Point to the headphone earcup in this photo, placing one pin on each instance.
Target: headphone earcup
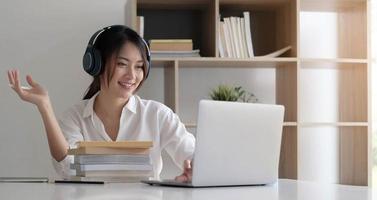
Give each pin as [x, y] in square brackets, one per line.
[92, 61]
[97, 62]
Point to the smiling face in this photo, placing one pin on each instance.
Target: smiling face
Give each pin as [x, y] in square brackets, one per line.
[126, 72]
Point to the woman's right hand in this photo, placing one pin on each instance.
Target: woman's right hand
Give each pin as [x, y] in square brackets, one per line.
[36, 94]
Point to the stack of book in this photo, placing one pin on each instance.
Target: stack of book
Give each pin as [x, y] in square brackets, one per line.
[173, 48]
[235, 39]
[126, 161]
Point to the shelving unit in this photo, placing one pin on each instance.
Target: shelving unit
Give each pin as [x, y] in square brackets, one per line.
[276, 24]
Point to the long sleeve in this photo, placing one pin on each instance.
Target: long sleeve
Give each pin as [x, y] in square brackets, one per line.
[178, 142]
[72, 134]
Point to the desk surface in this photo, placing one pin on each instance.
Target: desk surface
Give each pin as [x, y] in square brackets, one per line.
[283, 190]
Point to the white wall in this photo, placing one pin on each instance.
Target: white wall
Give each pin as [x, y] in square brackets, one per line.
[45, 38]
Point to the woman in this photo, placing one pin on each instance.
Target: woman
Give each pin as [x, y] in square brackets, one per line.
[118, 59]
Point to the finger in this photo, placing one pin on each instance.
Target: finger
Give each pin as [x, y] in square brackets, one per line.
[31, 82]
[10, 77]
[187, 164]
[181, 178]
[17, 82]
[12, 74]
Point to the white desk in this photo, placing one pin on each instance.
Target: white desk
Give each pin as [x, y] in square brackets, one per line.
[283, 190]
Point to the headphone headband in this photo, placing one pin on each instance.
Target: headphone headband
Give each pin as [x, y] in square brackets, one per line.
[94, 36]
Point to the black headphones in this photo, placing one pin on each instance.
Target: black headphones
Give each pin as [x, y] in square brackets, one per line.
[92, 61]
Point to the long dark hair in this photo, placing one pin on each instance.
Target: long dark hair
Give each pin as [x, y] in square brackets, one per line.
[108, 44]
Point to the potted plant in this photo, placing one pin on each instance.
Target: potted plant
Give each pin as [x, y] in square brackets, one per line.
[228, 93]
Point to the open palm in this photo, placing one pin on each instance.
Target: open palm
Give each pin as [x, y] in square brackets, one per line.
[36, 94]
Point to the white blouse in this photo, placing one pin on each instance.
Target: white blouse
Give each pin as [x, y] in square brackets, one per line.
[140, 120]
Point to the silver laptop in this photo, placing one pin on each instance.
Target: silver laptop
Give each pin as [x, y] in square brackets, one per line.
[236, 144]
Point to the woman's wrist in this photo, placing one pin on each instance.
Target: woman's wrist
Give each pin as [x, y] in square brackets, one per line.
[44, 105]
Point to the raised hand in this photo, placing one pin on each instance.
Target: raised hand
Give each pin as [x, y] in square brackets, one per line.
[34, 94]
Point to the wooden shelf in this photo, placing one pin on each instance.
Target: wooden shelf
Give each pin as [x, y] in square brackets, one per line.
[264, 59]
[213, 59]
[253, 2]
[208, 62]
[193, 125]
[274, 23]
[340, 124]
[173, 4]
[299, 73]
[330, 5]
[289, 123]
[334, 60]
[237, 63]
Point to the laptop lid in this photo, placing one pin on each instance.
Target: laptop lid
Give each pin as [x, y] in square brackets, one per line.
[237, 143]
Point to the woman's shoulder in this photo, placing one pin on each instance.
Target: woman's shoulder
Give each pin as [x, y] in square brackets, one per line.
[75, 111]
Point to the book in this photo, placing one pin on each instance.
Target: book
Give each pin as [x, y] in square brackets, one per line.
[106, 151]
[115, 173]
[119, 179]
[236, 39]
[239, 36]
[222, 48]
[193, 53]
[227, 40]
[170, 41]
[249, 42]
[119, 144]
[140, 25]
[110, 167]
[228, 24]
[112, 159]
[171, 45]
[242, 38]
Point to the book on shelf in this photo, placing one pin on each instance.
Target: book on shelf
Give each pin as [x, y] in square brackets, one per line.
[235, 36]
[140, 25]
[236, 39]
[171, 40]
[249, 42]
[229, 38]
[227, 46]
[222, 49]
[171, 44]
[240, 27]
[163, 54]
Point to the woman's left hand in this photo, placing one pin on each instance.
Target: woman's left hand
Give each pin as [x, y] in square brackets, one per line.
[187, 172]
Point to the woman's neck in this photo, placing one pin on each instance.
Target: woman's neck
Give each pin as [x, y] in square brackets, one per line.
[109, 106]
